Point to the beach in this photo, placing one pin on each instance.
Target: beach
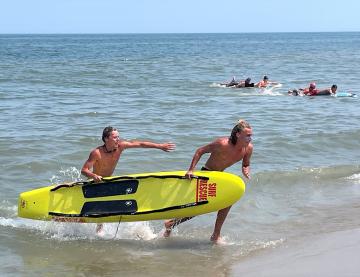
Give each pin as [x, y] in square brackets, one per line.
[300, 211]
[332, 254]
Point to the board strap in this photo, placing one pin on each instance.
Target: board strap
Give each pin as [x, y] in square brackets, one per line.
[69, 185]
[112, 179]
[158, 176]
[129, 212]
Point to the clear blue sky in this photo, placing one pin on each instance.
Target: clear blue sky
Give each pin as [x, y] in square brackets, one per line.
[182, 16]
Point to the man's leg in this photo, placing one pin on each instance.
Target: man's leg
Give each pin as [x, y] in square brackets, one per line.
[99, 228]
[221, 216]
[171, 223]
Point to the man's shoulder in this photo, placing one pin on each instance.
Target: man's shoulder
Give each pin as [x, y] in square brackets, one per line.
[122, 144]
[222, 140]
[97, 151]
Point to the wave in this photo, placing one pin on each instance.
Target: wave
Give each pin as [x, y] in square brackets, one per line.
[308, 174]
[271, 90]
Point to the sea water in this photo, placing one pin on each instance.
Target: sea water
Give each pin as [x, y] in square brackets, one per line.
[58, 92]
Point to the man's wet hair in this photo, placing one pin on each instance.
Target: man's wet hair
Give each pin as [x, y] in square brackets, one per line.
[107, 132]
[239, 127]
[334, 86]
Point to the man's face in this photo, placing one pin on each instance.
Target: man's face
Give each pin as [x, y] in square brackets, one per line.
[113, 139]
[245, 135]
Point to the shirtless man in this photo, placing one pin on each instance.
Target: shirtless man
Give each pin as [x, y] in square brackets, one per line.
[265, 82]
[103, 159]
[224, 152]
[329, 91]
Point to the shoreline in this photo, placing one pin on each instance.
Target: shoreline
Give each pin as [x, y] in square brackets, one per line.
[331, 254]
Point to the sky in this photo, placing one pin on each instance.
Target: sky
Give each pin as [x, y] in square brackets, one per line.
[177, 16]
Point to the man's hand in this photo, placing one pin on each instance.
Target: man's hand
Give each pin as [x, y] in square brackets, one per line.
[97, 178]
[189, 174]
[169, 146]
[246, 171]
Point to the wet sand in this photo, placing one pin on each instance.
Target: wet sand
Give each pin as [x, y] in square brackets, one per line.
[332, 254]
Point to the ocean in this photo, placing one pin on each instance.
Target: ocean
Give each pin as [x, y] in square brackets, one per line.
[58, 92]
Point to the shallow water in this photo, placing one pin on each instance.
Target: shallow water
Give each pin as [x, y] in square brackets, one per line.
[57, 93]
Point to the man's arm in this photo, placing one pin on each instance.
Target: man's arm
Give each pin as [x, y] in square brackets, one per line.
[259, 84]
[89, 164]
[198, 154]
[246, 162]
[324, 91]
[169, 146]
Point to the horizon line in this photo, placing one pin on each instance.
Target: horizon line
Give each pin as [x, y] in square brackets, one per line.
[167, 33]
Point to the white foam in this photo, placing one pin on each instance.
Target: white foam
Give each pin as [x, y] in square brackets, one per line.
[216, 85]
[6, 206]
[271, 92]
[71, 174]
[354, 177]
[224, 241]
[75, 231]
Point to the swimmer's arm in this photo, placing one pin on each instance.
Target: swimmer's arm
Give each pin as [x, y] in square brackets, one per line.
[327, 90]
[89, 164]
[197, 156]
[168, 146]
[246, 162]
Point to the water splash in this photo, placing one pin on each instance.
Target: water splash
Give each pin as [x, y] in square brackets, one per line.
[355, 178]
[81, 231]
[66, 175]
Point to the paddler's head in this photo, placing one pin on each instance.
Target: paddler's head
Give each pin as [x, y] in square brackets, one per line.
[312, 86]
[241, 132]
[333, 89]
[110, 137]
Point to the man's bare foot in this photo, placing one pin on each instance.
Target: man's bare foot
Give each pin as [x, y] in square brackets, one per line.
[215, 238]
[168, 228]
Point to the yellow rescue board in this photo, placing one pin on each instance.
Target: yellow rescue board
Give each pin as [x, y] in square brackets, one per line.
[136, 197]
